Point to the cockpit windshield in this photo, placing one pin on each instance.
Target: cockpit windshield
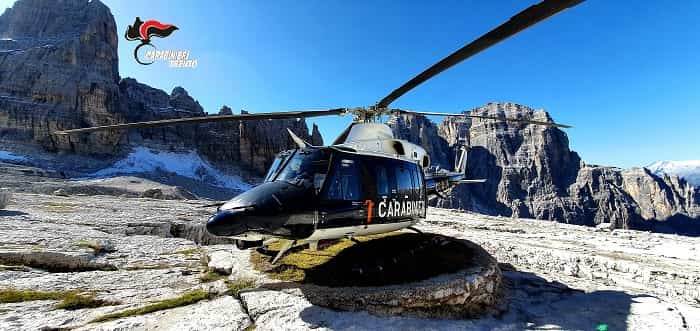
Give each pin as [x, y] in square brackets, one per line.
[277, 163]
[305, 166]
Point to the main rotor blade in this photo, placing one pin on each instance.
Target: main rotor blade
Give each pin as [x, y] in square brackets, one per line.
[496, 118]
[210, 119]
[523, 20]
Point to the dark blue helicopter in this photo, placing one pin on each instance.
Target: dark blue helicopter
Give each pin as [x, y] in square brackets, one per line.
[366, 182]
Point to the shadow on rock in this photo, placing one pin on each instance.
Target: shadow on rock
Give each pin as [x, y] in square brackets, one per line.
[12, 213]
[677, 224]
[392, 260]
[543, 304]
[419, 275]
[530, 302]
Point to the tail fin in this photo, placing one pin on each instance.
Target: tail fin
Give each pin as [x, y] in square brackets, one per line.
[300, 142]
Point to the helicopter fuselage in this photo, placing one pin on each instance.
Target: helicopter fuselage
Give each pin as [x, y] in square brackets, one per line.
[317, 193]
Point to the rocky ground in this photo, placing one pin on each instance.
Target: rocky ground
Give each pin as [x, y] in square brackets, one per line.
[135, 252]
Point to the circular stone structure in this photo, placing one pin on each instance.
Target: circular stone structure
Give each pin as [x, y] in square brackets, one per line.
[459, 280]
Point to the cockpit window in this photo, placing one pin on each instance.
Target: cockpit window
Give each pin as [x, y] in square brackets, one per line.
[276, 164]
[305, 166]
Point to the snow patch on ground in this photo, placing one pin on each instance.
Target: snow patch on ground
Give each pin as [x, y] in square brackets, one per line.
[190, 165]
[688, 170]
[7, 156]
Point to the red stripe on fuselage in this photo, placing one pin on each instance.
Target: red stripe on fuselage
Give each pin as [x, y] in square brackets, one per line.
[370, 207]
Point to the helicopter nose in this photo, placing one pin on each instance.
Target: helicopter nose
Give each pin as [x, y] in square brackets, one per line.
[227, 223]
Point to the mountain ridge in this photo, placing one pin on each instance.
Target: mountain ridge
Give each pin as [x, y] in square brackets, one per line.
[689, 170]
[532, 173]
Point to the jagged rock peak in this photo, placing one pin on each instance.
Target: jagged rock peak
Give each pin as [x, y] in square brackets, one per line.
[182, 101]
[81, 32]
[47, 18]
[225, 110]
[316, 138]
[179, 90]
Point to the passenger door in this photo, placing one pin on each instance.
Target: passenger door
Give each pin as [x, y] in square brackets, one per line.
[342, 198]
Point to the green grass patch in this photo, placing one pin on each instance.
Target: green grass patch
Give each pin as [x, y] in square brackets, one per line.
[74, 300]
[104, 267]
[59, 207]
[210, 276]
[70, 300]
[95, 246]
[146, 266]
[187, 252]
[13, 295]
[236, 286]
[185, 299]
[59, 204]
[13, 268]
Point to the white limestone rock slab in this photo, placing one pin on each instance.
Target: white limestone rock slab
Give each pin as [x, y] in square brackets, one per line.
[223, 313]
[221, 261]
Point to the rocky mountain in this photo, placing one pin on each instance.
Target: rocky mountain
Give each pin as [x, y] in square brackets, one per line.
[59, 70]
[532, 173]
[688, 170]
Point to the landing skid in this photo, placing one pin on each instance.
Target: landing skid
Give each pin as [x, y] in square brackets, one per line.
[414, 229]
[353, 239]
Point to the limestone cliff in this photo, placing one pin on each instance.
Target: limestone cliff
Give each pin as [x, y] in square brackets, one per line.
[532, 173]
[59, 70]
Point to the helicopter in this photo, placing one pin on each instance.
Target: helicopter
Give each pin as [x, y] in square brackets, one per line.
[366, 182]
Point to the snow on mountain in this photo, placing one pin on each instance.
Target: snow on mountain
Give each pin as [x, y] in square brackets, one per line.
[190, 165]
[688, 170]
[7, 156]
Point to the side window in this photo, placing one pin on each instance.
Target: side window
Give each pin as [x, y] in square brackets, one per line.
[403, 179]
[368, 180]
[414, 178]
[391, 167]
[416, 182]
[420, 192]
[345, 181]
[382, 179]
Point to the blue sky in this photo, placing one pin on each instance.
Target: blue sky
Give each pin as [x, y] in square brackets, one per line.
[626, 74]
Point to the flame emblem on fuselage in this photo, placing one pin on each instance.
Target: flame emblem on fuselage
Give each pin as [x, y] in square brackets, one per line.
[144, 31]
